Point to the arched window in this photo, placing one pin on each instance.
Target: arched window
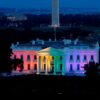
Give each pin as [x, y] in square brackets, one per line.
[92, 58]
[28, 57]
[71, 57]
[85, 58]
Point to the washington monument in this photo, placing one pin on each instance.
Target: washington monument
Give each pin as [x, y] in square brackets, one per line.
[55, 13]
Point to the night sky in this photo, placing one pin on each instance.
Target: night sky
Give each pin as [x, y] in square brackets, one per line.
[46, 3]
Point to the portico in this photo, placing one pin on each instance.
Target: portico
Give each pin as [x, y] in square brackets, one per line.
[50, 61]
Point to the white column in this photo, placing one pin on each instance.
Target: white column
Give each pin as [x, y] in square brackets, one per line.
[55, 65]
[38, 65]
[46, 72]
[63, 65]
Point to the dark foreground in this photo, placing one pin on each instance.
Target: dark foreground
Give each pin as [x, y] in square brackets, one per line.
[42, 86]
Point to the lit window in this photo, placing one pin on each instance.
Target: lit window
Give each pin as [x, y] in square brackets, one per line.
[28, 57]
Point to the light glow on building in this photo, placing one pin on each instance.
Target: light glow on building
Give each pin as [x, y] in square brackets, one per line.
[58, 57]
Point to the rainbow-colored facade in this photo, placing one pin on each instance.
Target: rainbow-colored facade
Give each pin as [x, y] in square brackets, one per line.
[56, 57]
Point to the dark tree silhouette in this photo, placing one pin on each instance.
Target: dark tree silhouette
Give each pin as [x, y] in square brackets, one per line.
[6, 62]
[92, 70]
[17, 63]
[5, 53]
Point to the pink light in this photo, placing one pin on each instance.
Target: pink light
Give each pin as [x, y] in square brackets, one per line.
[32, 62]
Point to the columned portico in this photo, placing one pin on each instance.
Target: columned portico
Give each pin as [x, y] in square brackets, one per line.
[44, 64]
[49, 61]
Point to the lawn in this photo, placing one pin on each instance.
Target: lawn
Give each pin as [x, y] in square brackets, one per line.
[32, 85]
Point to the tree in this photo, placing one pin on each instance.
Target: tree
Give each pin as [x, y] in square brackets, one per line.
[92, 70]
[6, 62]
[5, 53]
[17, 63]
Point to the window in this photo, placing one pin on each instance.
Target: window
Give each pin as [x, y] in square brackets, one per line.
[35, 66]
[71, 67]
[21, 57]
[60, 67]
[28, 57]
[92, 58]
[85, 58]
[71, 57]
[78, 58]
[28, 66]
[78, 67]
[35, 57]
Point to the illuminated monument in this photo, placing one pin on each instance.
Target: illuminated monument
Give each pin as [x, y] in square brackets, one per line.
[59, 57]
[55, 13]
[56, 57]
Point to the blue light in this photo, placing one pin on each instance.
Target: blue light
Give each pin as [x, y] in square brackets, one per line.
[46, 3]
